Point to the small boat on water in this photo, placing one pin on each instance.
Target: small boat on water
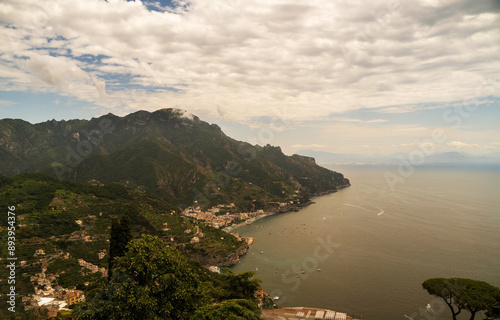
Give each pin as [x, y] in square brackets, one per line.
[261, 252]
[318, 269]
[276, 298]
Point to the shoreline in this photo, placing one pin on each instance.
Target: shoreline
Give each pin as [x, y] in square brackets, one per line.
[291, 208]
[252, 220]
[247, 222]
[294, 208]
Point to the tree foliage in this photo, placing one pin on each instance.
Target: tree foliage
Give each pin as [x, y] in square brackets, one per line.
[154, 281]
[465, 294]
[238, 286]
[494, 313]
[121, 234]
[151, 281]
[237, 309]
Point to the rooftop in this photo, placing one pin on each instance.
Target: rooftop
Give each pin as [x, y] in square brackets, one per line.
[303, 313]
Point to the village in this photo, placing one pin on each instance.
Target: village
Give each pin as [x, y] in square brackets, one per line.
[51, 296]
[221, 216]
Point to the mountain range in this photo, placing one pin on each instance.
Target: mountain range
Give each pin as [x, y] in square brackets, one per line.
[175, 155]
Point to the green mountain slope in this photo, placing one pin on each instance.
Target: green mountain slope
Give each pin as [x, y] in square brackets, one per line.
[61, 227]
[62, 216]
[180, 158]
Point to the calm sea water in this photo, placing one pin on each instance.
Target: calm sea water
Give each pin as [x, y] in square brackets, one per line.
[374, 246]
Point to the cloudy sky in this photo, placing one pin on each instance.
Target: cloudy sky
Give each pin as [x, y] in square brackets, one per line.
[343, 76]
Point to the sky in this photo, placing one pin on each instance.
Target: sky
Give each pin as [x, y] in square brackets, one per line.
[341, 76]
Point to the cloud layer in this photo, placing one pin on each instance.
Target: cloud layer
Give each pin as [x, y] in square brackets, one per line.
[246, 59]
[340, 76]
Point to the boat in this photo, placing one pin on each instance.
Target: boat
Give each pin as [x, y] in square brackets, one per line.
[276, 298]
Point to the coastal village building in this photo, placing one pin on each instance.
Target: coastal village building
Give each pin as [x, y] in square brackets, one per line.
[73, 297]
[215, 269]
[92, 267]
[195, 240]
[101, 254]
[213, 218]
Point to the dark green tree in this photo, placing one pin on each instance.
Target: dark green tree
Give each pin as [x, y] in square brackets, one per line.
[239, 286]
[494, 311]
[464, 294]
[237, 309]
[121, 234]
[151, 281]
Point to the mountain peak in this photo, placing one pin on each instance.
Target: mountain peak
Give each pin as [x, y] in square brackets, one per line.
[176, 112]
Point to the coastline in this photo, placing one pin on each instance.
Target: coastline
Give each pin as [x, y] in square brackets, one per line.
[231, 228]
[294, 208]
[290, 208]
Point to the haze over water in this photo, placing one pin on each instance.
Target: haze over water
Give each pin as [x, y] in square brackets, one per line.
[442, 221]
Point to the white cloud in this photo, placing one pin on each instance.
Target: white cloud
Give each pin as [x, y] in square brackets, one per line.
[355, 120]
[399, 109]
[377, 120]
[7, 102]
[460, 144]
[54, 71]
[344, 119]
[250, 57]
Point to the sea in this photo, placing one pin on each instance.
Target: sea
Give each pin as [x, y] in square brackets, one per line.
[366, 249]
